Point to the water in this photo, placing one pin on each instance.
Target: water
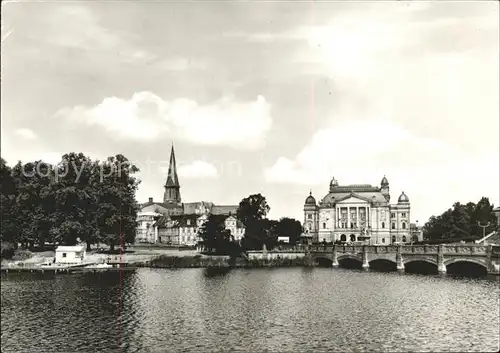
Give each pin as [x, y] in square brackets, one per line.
[280, 309]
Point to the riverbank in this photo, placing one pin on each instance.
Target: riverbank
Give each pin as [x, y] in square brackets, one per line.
[132, 257]
[155, 258]
[209, 261]
[164, 261]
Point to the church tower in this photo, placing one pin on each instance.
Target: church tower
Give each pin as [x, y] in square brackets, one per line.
[384, 188]
[311, 217]
[172, 188]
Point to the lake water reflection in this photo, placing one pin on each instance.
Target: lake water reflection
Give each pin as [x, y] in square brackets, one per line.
[280, 309]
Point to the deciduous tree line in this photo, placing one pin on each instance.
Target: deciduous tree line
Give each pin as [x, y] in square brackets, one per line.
[462, 222]
[259, 230]
[78, 199]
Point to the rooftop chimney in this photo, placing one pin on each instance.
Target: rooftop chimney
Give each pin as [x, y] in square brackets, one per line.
[150, 199]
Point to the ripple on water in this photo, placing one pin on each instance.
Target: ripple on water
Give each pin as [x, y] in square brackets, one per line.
[271, 310]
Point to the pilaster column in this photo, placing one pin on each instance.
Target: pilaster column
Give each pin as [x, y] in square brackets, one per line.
[357, 218]
[365, 264]
[400, 266]
[492, 260]
[335, 262]
[440, 260]
[348, 217]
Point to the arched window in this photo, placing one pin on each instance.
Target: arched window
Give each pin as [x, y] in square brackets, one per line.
[393, 238]
[343, 237]
[404, 239]
[353, 237]
[324, 225]
[415, 238]
[403, 225]
[383, 224]
[393, 225]
[383, 240]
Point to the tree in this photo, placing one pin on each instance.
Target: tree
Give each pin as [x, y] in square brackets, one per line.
[8, 213]
[34, 202]
[76, 200]
[117, 208]
[251, 212]
[289, 227]
[252, 208]
[76, 184]
[461, 222]
[215, 237]
[258, 233]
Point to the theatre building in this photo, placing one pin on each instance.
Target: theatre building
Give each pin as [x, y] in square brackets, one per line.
[358, 213]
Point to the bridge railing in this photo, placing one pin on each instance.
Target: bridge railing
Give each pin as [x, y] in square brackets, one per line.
[465, 249]
[289, 248]
[495, 251]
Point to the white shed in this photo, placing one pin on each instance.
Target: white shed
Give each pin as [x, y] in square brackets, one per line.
[284, 239]
[70, 254]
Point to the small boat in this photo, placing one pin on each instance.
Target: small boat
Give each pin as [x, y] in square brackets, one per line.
[53, 265]
[99, 266]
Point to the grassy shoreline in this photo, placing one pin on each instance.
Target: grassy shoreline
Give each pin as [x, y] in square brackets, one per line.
[154, 257]
[208, 261]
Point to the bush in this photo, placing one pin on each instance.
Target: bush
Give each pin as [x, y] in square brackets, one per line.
[21, 255]
[7, 251]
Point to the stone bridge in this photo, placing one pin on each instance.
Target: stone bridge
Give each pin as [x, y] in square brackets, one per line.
[439, 255]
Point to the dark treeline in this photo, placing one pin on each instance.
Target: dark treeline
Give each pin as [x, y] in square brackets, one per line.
[78, 199]
[462, 222]
[259, 230]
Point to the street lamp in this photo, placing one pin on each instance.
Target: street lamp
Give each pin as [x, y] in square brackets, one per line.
[484, 227]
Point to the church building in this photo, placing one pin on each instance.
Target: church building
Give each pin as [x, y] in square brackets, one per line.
[176, 223]
[353, 213]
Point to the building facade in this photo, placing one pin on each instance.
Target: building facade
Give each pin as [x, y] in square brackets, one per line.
[353, 213]
[496, 212]
[176, 223]
[417, 234]
[146, 232]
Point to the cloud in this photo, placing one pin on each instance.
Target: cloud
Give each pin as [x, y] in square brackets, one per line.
[198, 170]
[353, 146]
[182, 64]
[147, 117]
[259, 37]
[69, 28]
[81, 29]
[26, 134]
[433, 74]
[432, 173]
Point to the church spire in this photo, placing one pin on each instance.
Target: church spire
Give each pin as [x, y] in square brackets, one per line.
[172, 179]
[172, 186]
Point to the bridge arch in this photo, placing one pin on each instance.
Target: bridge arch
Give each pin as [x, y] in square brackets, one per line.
[349, 256]
[350, 261]
[323, 261]
[382, 259]
[383, 264]
[420, 265]
[470, 260]
[420, 259]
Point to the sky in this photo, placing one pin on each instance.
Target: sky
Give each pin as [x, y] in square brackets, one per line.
[262, 97]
